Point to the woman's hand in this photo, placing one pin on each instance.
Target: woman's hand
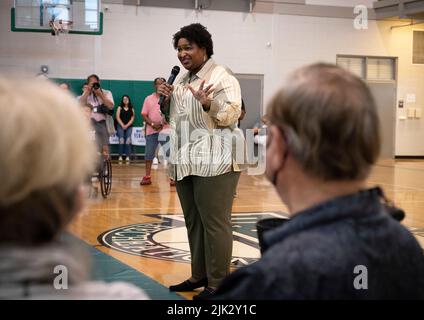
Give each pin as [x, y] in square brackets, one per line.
[157, 126]
[98, 92]
[165, 89]
[202, 95]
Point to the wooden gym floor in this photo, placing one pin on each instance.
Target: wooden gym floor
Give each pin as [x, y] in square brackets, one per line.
[129, 204]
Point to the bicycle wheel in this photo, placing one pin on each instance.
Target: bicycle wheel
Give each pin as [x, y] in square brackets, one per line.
[106, 178]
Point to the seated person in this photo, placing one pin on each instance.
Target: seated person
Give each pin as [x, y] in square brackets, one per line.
[84, 88]
[242, 114]
[341, 241]
[65, 86]
[45, 155]
[259, 131]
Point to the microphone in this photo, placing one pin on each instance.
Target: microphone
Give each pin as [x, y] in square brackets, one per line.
[174, 72]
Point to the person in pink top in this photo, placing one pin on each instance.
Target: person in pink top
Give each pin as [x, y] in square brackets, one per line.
[157, 131]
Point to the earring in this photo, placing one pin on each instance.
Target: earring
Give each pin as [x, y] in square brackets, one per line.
[204, 58]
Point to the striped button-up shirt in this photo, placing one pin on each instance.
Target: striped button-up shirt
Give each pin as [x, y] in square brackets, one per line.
[201, 142]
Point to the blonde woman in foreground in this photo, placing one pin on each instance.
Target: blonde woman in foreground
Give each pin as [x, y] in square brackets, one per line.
[45, 155]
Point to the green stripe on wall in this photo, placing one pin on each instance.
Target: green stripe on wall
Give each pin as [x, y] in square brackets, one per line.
[136, 90]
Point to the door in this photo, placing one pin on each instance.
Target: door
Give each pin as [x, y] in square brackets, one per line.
[380, 74]
[252, 95]
[385, 99]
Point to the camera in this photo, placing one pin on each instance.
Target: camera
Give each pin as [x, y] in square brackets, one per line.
[103, 109]
[96, 85]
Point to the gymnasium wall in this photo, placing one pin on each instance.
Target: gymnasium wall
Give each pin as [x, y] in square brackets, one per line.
[137, 90]
[409, 132]
[137, 46]
[340, 3]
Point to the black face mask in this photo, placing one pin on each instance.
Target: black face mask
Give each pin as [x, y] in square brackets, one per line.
[395, 212]
[275, 174]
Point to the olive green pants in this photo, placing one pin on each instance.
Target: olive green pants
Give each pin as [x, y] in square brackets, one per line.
[207, 204]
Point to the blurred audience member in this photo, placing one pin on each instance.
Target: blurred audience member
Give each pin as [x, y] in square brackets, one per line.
[342, 241]
[242, 114]
[45, 155]
[259, 130]
[65, 86]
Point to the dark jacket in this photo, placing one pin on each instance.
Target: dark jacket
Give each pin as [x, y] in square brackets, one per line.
[314, 256]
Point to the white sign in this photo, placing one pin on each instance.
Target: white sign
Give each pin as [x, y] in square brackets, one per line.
[138, 137]
[114, 139]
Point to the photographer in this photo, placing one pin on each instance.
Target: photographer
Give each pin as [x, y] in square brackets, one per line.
[102, 102]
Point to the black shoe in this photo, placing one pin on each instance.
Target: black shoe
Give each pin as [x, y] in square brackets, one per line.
[189, 286]
[205, 294]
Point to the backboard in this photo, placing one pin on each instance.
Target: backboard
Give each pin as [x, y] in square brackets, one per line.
[80, 16]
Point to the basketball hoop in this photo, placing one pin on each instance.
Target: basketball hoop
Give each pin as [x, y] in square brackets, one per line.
[60, 26]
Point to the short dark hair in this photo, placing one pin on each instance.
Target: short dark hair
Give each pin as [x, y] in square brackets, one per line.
[93, 76]
[198, 34]
[158, 78]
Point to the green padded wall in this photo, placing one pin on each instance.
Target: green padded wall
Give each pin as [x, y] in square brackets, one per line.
[137, 90]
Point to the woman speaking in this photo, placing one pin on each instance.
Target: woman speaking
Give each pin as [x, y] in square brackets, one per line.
[204, 107]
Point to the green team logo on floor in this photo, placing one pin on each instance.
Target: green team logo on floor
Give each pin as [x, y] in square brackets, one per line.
[167, 238]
